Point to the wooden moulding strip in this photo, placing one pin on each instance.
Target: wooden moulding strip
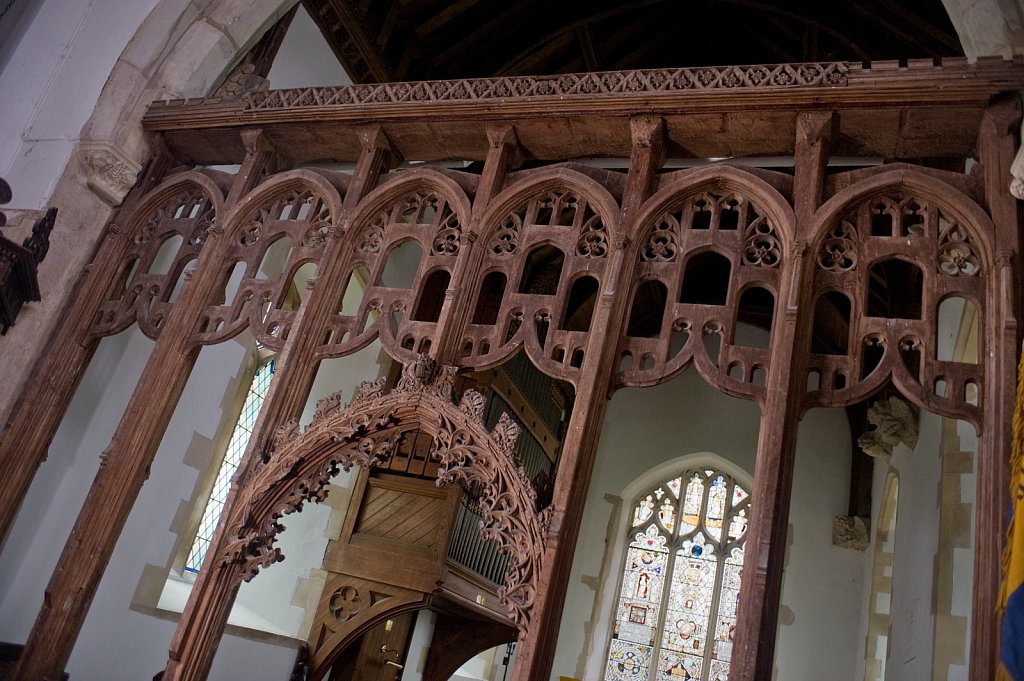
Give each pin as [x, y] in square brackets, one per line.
[850, 85]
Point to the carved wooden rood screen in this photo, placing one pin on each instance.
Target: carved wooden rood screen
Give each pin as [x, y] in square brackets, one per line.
[604, 278]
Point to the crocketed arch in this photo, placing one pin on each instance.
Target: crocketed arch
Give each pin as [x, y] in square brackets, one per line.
[132, 291]
[367, 431]
[505, 245]
[954, 253]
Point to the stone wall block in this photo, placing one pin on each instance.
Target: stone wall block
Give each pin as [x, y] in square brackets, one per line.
[198, 62]
[245, 21]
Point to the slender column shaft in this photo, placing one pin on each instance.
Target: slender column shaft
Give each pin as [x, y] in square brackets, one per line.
[213, 594]
[45, 399]
[535, 654]
[761, 586]
[124, 467]
[997, 146]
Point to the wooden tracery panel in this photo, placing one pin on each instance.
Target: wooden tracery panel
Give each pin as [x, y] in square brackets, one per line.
[418, 216]
[164, 239]
[279, 228]
[708, 257]
[543, 254]
[885, 263]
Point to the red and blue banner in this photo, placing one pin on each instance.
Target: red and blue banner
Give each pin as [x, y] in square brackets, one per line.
[1011, 655]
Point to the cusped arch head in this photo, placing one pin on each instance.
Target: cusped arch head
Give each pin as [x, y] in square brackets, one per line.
[961, 207]
[715, 178]
[299, 180]
[513, 198]
[191, 180]
[399, 185]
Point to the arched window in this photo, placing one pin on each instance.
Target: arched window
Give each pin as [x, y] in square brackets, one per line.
[676, 612]
[232, 458]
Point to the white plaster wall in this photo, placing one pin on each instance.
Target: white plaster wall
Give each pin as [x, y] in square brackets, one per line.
[419, 646]
[62, 59]
[64, 479]
[119, 643]
[305, 59]
[822, 584]
[653, 431]
[917, 541]
[650, 432]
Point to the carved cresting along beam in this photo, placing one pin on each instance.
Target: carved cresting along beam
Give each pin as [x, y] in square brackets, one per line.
[365, 433]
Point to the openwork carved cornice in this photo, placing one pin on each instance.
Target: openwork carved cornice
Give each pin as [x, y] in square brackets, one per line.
[365, 433]
[643, 82]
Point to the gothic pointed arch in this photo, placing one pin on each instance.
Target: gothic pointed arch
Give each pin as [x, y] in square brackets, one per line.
[895, 246]
[158, 243]
[414, 223]
[541, 235]
[701, 243]
[362, 434]
[276, 229]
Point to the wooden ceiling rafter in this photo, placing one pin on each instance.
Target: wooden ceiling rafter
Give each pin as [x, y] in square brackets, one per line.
[391, 40]
[587, 50]
[873, 15]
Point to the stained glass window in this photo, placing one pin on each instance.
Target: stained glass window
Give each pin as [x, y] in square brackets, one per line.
[232, 457]
[676, 613]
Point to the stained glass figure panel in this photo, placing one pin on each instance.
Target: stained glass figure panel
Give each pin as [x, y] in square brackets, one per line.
[640, 598]
[715, 514]
[628, 662]
[676, 613]
[692, 503]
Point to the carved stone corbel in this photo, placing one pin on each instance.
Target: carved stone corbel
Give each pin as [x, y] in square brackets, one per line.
[850, 532]
[894, 422]
[109, 172]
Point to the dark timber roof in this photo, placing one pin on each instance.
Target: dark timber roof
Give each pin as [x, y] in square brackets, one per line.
[401, 40]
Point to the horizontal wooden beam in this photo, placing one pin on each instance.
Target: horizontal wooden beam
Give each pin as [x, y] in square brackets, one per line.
[914, 109]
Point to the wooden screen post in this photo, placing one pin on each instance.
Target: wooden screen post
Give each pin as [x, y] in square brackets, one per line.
[124, 467]
[46, 397]
[503, 152]
[536, 650]
[761, 587]
[213, 593]
[999, 347]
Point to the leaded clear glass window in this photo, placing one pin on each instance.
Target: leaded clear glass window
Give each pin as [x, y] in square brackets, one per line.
[676, 612]
[232, 458]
